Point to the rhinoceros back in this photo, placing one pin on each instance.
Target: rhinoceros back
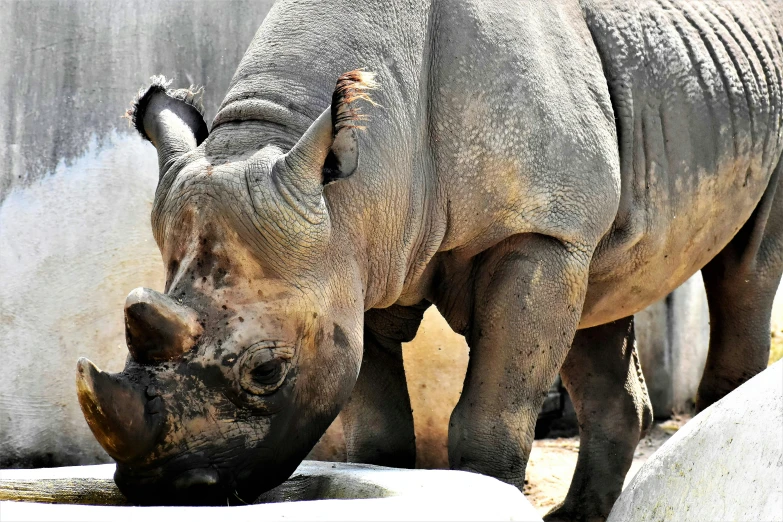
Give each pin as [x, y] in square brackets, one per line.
[696, 91]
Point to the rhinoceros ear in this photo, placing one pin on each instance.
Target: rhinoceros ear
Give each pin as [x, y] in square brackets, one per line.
[172, 119]
[330, 149]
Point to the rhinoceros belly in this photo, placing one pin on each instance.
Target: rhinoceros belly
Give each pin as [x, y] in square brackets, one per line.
[696, 88]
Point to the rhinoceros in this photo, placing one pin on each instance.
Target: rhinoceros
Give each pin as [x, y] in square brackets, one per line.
[537, 170]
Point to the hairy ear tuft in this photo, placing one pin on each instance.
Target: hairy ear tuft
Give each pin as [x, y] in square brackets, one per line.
[343, 157]
[192, 96]
[171, 119]
[351, 86]
[329, 150]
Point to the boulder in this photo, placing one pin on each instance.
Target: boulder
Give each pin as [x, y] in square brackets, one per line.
[725, 464]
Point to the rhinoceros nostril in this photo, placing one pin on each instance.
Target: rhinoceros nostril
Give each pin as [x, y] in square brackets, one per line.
[196, 478]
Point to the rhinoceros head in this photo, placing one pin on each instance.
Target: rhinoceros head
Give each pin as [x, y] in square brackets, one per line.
[238, 368]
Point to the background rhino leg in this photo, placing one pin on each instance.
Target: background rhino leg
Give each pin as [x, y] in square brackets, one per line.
[378, 421]
[604, 379]
[741, 282]
[529, 291]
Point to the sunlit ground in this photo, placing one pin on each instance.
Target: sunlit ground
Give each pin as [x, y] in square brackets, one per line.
[552, 463]
[776, 348]
[776, 327]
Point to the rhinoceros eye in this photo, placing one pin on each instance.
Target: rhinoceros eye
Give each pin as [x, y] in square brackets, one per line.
[268, 373]
[263, 367]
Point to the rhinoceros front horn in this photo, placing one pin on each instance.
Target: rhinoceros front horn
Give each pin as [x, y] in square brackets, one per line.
[116, 412]
[158, 328]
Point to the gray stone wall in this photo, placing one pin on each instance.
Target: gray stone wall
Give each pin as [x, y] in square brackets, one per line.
[76, 188]
[672, 336]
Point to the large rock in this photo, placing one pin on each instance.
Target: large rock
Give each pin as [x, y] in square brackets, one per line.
[316, 491]
[725, 464]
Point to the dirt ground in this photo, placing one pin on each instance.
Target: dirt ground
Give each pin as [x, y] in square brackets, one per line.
[552, 463]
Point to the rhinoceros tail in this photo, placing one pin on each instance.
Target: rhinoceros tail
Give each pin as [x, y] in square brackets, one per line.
[159, 84]
[351, 86]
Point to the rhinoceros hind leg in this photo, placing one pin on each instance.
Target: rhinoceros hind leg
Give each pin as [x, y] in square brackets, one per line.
[378, 421]
[741, 282]
[604, 378]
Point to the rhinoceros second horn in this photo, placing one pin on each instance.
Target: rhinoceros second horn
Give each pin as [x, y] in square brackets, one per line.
[157, 328]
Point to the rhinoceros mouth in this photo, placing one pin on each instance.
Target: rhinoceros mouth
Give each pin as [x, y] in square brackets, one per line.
[194, 486]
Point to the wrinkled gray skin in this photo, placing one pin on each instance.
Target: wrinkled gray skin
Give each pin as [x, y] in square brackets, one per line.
[538, 170]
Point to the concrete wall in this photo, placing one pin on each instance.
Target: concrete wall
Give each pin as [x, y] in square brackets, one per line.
[76, 188]
[672, 336]
[673, 339]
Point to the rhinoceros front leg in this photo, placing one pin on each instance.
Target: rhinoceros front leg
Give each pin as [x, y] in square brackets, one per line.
[378, 421]
[528, 295]
[604, 378]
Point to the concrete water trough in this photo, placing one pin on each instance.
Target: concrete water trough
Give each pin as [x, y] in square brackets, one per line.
[316, 491]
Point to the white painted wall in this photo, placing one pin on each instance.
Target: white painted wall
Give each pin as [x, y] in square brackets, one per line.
[76, 188]
[72, 245]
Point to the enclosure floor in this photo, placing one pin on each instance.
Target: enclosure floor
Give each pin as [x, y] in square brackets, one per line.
[552, 463]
